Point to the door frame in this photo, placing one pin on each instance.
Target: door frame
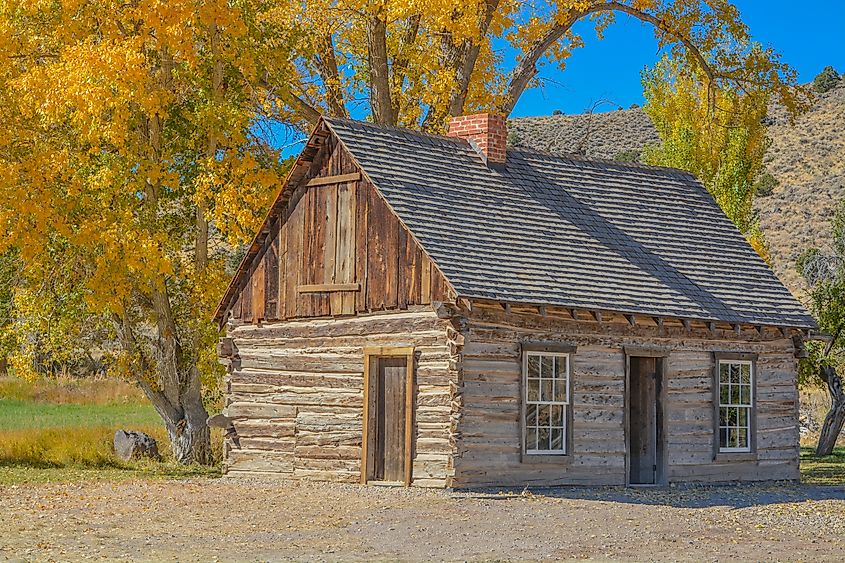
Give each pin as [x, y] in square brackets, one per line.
[662, 454]
[371, 356]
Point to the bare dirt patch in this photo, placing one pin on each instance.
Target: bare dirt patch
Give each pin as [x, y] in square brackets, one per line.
[253, 520]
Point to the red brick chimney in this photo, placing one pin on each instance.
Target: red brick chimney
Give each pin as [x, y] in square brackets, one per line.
[487, 131]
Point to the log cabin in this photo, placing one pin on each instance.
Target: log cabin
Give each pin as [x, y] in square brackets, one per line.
[446, 311]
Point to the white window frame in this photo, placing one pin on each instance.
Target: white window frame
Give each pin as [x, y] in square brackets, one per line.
[749, 407]
[565, 404]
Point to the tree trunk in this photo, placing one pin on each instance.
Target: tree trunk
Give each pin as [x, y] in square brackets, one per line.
[380, 95]
[190, 436]
[835, 416]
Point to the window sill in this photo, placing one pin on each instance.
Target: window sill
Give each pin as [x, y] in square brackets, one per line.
[736, 456]
[541, 459]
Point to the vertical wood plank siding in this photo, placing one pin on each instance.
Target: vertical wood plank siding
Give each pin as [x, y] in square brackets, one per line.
[337, 234]
[295, 392]
[488, 432]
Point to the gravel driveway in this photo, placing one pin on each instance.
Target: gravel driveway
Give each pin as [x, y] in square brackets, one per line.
[254, 520]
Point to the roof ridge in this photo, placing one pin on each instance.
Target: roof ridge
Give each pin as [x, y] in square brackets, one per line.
[522, 149]
[396, 128]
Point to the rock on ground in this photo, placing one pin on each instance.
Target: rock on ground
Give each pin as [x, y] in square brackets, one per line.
[133, 445]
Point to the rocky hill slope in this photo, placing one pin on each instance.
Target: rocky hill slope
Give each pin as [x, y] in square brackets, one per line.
[807, 158]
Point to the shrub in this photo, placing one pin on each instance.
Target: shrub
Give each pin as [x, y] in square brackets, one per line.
[557, 112]
[514, 138]
[627, 156]
[826, 80]
[765, 185]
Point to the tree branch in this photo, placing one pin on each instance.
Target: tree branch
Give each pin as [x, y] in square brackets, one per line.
[527, 67]
[326, 63]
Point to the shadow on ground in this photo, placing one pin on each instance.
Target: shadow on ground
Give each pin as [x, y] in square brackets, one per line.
[677, 496]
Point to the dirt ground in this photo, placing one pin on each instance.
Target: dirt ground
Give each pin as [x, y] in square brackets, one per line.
[261, 520]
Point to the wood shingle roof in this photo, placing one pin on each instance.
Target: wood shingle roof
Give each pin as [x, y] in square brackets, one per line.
[570, 231]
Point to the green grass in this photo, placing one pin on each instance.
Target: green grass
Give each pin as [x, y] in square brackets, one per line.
[21, 415]
[827, 470]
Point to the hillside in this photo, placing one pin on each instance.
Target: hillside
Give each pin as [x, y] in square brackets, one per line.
[807, 158]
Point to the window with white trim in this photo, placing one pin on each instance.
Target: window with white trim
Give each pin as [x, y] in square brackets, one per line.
[736, 401]
[546, 399]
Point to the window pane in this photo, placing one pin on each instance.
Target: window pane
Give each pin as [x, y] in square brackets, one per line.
[557, 438]
[735, 394]
[533, 366]
[723, 437]
[546, 390]
[547, 366]
[543, 435]
[530, 438]
[732, 437]
[560, 367]
[723, 372]
[742, 434]
[745, 395]
[557, 415]
[543, 414]
[743, 418]
[531, 415]
[533, 389]
[560, 390]
[745, 373]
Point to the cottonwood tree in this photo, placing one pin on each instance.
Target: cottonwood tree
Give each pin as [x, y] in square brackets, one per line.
[824, 272]
[717, 134]
[125, 128]
[418, 62]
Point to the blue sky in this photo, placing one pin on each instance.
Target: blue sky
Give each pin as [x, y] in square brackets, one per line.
[808, 39]
[809, 36]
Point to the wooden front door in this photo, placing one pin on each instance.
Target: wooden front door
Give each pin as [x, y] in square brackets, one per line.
[645, 416]
[389, 406]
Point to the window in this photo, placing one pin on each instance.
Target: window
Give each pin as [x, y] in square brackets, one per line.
[736, 402]
[546, 402]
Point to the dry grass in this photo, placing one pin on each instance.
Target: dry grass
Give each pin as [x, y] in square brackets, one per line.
[71, 391]
[47, 426]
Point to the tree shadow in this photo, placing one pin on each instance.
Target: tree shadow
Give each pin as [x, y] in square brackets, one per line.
[688, 293]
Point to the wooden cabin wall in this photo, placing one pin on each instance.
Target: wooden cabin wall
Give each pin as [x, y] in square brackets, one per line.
[488, 433]
[332, 237]
[295, 392]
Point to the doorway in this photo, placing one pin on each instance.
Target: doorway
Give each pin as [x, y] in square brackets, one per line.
[388, 414]
[646, 448]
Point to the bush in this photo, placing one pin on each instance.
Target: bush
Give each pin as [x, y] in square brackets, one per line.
[826, 80]
[765, 185]
[514, 139]
[557, 112]
[627, 156]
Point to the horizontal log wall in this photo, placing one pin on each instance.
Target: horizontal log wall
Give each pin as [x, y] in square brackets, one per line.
[295, 392]
[336, 250]
[488, 433]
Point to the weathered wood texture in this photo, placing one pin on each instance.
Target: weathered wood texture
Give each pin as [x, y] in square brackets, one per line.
[343, 237]
[487, 433]
[295, 393]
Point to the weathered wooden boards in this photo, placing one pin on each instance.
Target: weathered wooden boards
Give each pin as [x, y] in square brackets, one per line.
[337, 233]
[487, 433]
[295, 392]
